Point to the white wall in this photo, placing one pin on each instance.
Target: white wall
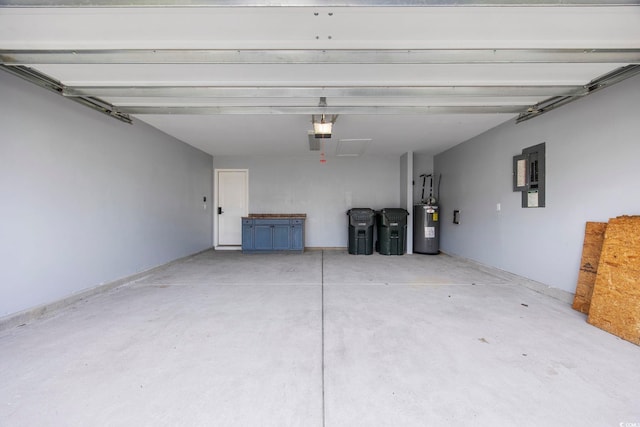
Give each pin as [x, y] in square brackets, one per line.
[404, 173]
[300, 184]
[87, 199]
[406, 195]
[592, 152]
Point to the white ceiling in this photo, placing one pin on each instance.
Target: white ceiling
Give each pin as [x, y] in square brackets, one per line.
[278, 47]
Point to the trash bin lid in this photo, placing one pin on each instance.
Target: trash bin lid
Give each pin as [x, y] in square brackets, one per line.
[394, 215]
[361, 216]
[360, 210]
[397, 211]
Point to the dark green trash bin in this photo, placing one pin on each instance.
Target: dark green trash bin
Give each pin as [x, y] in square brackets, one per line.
[392, 231]
[361, 222]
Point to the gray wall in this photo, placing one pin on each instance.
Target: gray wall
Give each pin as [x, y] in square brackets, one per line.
[592, 152]
[87, 199]
[300, 184]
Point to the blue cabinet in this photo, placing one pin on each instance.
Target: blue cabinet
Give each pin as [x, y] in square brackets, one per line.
[297, 234]
[272, 234]
[247, 234]
[263, 237]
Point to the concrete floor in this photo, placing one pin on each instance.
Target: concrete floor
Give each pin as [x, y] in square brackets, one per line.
[323, 338]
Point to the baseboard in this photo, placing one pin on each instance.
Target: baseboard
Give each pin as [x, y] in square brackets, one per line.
[325, 248]
[25, 316]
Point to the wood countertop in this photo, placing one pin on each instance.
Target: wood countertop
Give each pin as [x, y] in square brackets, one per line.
[270, 215]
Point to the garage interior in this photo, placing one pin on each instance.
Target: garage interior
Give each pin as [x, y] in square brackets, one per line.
[120, 303]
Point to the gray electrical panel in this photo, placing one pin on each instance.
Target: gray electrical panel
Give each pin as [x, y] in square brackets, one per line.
[529, 176]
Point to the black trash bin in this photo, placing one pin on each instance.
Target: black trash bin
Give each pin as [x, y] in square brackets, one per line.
[392, 231]
[361, 222]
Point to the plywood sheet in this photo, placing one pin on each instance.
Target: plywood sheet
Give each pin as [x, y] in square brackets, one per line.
[593, 239]
[615, 303]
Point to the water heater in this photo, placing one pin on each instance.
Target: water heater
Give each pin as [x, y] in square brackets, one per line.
[426, 229]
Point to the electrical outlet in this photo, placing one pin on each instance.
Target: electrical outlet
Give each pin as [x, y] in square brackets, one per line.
[456, 217]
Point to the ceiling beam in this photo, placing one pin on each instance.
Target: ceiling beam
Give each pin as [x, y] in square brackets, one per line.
[306, 110]
[40, 79]
[315, 92]
[609, 79]
[318, 56]
[313, 3]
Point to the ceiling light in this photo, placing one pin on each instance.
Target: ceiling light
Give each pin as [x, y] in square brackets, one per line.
[322, 128]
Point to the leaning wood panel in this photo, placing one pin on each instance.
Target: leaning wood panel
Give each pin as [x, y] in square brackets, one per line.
[593, 238]
[615, 303]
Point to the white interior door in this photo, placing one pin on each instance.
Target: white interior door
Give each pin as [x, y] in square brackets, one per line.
[233, 204]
